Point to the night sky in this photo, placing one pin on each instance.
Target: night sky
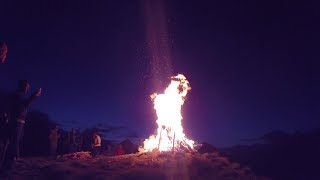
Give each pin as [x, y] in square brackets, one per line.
[253, 65]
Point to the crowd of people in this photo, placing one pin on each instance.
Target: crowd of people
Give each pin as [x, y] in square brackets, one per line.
[75, 141]
[13, 119]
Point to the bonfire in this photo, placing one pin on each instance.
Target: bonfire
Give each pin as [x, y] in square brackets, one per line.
[170, 135]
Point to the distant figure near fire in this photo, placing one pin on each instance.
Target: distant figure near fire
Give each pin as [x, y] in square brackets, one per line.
[73, 141]
[120, 150]
[54, 138]
[96, 145]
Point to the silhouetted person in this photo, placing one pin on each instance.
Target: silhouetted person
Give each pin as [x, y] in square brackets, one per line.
[4, 138]
[78, 141]
[4, 115]
[3, 51]
[72, 141]
[18, 113]
[109, 150]
[120, 151]
[54, 138]
[96, 145]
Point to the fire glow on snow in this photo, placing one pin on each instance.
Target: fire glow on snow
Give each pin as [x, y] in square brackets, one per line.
[170, 134]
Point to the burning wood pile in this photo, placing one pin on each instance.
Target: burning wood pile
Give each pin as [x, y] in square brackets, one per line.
[170, 135]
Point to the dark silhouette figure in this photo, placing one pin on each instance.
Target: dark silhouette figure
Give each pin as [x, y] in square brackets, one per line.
[129, 147]
[4, 138]
[109, 151]
[74, 141]
[120, 151]
[54, 138]
[17, 114]
[78, 140]
[5, 101]
[36, 132]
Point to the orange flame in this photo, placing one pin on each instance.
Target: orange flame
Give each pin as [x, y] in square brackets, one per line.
[170, 134]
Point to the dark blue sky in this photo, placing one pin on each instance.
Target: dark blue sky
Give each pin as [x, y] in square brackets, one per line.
[253, 66]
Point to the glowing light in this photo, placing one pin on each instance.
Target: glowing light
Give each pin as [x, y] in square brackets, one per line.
[170, 134]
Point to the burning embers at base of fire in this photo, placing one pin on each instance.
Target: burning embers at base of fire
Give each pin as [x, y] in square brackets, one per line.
[169, 135]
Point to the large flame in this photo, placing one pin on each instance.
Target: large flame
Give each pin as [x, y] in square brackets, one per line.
[170, 134]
